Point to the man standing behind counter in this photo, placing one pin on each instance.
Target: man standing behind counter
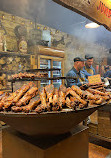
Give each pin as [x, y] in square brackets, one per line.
[107, 72]
[79, 63]
[88, 69]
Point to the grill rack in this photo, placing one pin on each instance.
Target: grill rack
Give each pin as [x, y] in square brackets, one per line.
[30, 70]
[39, 79]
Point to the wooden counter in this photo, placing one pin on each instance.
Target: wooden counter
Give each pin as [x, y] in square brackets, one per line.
[74, 144]
[102, 129]
[104, 121]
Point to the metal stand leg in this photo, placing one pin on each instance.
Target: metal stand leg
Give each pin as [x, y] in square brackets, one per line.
[12, 86]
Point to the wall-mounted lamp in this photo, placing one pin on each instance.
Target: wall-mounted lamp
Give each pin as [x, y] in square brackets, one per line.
[57, 31]
[38, 27]
[3, 16]
[13, 17]
[31, 22]
[50, 32]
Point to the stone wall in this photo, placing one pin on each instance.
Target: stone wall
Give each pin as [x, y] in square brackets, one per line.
[71, 45]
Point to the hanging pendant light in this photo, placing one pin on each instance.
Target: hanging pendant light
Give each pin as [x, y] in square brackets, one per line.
[91, 24]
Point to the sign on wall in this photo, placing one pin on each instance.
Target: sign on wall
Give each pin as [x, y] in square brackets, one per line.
[97, 10]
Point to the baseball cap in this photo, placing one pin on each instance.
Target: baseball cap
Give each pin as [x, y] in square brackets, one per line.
[88, 56]
[79, 59]
[106, 67]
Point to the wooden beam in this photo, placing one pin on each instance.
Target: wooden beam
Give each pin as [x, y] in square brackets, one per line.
[49, 51]
[96, 10]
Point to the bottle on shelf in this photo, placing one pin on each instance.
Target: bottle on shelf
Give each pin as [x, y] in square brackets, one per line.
[1, 42]
[4, 44]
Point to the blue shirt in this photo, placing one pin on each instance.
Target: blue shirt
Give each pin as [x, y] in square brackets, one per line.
[86, 71]
[108, 74]
[79, 75]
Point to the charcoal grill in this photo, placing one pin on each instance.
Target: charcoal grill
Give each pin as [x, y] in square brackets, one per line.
[47, 123]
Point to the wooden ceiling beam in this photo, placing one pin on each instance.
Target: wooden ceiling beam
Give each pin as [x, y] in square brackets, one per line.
[98, 11]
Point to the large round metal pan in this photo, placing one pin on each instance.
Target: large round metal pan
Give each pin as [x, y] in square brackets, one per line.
[47, 123]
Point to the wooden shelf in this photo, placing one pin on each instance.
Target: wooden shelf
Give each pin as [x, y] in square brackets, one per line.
[3, 53]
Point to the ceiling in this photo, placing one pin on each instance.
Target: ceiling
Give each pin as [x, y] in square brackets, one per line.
[49, 13]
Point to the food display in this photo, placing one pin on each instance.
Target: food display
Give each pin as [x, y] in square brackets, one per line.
[29, 75]
[31, 99]
[97, 86]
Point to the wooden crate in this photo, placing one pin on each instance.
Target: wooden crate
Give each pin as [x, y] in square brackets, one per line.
[104, 124]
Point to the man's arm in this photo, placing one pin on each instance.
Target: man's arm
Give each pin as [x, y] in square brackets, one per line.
[107, 74]
[71, 82]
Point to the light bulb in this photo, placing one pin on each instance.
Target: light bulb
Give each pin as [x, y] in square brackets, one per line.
[92, 25]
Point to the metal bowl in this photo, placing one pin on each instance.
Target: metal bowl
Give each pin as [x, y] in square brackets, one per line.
[47, 123]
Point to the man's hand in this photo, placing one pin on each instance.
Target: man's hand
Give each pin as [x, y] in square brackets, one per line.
[84, 85]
